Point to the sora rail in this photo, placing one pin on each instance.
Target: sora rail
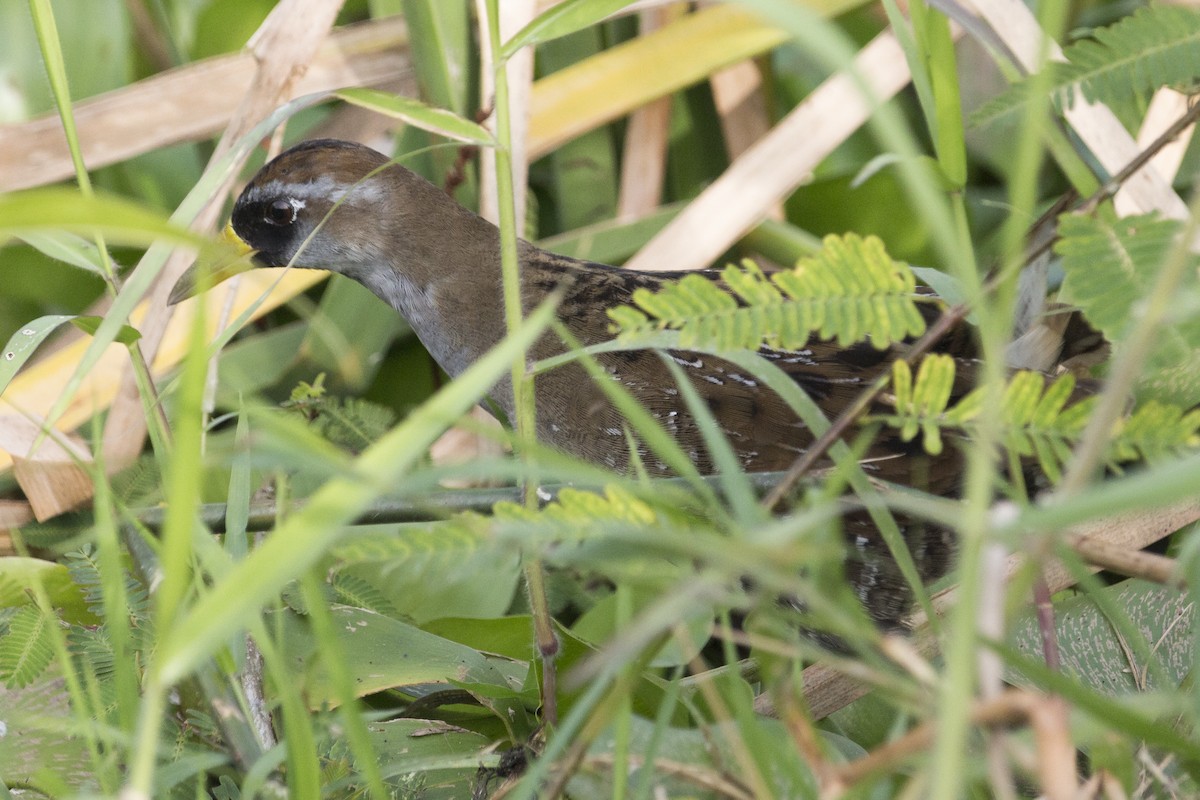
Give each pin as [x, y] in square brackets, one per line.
[343, 207]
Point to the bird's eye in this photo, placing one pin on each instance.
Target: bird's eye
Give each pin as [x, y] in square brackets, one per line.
[280, 212]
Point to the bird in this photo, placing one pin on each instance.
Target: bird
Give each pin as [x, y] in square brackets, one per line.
[346, 208]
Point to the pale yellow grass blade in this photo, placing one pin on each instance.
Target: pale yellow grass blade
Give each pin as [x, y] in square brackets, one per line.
[36, 389]
[612, 84]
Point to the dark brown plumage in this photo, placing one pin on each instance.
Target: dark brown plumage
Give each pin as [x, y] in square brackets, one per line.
[438, 265]
[345, 208]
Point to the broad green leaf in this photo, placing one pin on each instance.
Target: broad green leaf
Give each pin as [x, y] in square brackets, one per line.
[602, 622]
[445, 559]
[18, 573]
[24, 342]
[441, 47]
[581, 177]
[384, 653]
[446, 757]
[440, 36]
[1098, 654]
[33, 742]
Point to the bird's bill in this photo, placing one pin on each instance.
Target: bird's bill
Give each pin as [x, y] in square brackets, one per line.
[202, 276]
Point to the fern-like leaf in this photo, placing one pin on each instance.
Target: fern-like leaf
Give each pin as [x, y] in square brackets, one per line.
[464, 540]
[574, 507]
[25, 650]
[919, 405]
[1036, 420]
[1110, 267]
[1156, 430]
[355, 423]
[354, 591]
[850, 291]
[85, 572]
[93, 647]
[1155, 46]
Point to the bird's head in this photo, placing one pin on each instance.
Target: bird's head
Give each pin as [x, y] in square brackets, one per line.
[319, 205]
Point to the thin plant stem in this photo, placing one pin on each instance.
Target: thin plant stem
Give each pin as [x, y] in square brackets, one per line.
[949, 754]
[522, 383]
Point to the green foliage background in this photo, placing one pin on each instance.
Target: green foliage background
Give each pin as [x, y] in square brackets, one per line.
[397, 658]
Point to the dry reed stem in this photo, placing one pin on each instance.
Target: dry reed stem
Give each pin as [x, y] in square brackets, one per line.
[1098, 128]
[742, 109]
[52, 476]
[514, 15]
[644, 160]
[191, 103]
[777, 163]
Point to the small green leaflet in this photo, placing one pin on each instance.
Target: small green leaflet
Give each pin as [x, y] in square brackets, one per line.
[126, 334]
[560, 20]
[425, 117]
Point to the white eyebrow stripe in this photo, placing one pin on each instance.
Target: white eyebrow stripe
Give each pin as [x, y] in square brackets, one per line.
[366, 193]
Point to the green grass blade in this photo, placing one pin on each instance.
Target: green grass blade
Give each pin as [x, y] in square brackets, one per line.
[305, 536]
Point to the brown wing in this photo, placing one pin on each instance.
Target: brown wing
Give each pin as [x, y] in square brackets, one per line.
[760, 426]
[762, 429]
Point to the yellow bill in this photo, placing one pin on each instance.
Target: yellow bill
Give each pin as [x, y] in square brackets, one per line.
[205, 275]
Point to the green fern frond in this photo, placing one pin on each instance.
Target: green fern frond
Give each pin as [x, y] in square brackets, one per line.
[295, 598]
[1156, 430]
[574, 507]
[85, 572]
[1110, 267]
[202, 725]
[461, 539]
[1155, 46]
[25, 650]
[352, 590]
[591, 531]
[93, 647]
[1036, 422]
[470, 541]
[352, 423]
[850, 290]
[919, 405]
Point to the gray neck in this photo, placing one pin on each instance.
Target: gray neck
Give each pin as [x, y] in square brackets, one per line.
[444, 276]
